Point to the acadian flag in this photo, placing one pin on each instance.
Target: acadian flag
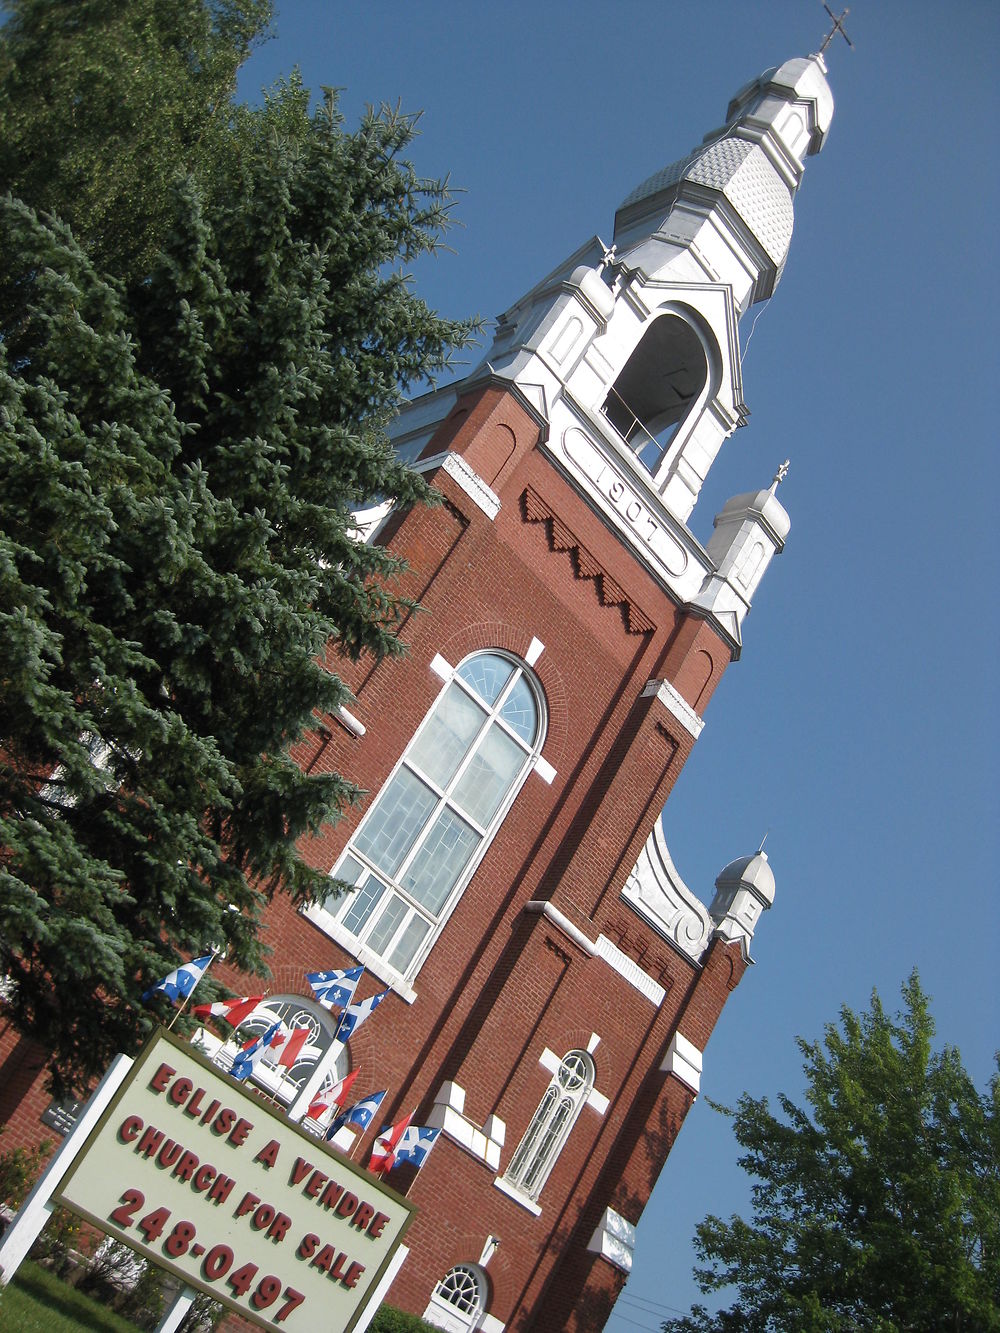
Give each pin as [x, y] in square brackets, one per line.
[355, 1014]
[233, 1011]
[335, 1096]
[292, 1048]
[361, 1114]
[254, 1051]
[179, 984]
[383, 1156]
[336, 987]
[415, 1144]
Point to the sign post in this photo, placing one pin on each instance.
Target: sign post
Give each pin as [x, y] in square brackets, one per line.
[37, 1207]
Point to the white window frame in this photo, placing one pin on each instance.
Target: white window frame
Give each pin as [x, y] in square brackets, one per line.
[330, 915]
[537, 1153]
[282, 1084]
[458, 1316]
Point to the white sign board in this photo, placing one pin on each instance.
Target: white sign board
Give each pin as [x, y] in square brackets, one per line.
[205, 1179]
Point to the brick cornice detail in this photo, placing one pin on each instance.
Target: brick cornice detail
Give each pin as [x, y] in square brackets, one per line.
[585, 563]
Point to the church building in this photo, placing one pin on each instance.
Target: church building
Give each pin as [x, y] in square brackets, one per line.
[551, 981]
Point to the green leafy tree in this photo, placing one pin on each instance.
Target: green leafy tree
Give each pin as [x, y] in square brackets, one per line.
[875, 1208]
[101, 103]
[181, 459]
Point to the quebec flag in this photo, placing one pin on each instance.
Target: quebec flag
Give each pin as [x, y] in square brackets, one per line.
[182, 981]
[253, 1052]
[361, 1114]
[414, 1145]
[355, 1014]
[336, 987]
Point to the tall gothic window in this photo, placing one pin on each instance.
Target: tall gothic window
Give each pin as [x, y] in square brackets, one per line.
[431, 823]
[550, 1126]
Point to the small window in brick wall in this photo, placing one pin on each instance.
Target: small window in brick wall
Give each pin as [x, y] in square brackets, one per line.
[430, 825]
[543, 1141]
[459, 1300]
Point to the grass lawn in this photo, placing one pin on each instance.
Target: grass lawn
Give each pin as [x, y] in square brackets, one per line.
[37, 1302]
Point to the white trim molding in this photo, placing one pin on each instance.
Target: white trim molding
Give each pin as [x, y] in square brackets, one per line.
[448, 1115]
[676, 706]
[602, 948]
[684, 1061]
[505, 1187]
[614, 1240]
[466, 479]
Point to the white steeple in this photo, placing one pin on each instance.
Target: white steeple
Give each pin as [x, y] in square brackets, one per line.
[630, 353]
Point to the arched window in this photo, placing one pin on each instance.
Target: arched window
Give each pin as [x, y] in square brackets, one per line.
[429, 826]
[550, 1126]
[656, 388]
[295, 1011]
[459, 1300]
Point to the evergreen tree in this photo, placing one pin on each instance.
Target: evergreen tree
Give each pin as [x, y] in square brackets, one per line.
[878, 1207]
[182, 449]
[101, 103]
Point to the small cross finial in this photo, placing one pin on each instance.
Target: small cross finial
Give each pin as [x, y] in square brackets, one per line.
[781, 474]
[610, 258]
[838, 26]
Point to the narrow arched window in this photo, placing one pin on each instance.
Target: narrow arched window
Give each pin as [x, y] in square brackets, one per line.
[657, 387]
[430, 825]
[550, 1125]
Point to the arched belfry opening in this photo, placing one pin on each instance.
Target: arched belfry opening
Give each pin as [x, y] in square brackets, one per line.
[657, 387]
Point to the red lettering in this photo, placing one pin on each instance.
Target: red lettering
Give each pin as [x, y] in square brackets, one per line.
[211, 1111]
[350, 1278]
[307, 1245]
[347, 1205]
[129, 1128]
[299, 1171]
[161, 1078]
[279, 1227]
[180, 1091]
[246, 1205]
[363, 1216]
[268, 1155]
[204, 1178]
[337, 1271]
[377, 1224]
[331, 1194]
[168, 1154]
[187, 1166]
[240, 1131]
[193, 1107]
[224, 1121]
[150, 1141]
[263, 1217]
[324, 1259]
[316, 1182]
[221, 1190]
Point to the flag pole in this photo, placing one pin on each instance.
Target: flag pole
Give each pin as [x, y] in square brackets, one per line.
[187, 997]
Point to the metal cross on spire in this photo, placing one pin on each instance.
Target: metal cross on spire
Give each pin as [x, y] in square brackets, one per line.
[838, 26]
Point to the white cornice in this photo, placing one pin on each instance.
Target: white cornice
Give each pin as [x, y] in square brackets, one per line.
[604, 949]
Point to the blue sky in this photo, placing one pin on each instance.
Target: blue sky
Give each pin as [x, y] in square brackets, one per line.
[860, 728]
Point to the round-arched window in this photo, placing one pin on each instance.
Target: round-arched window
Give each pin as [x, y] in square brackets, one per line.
[432, 821]
[294, 1012]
